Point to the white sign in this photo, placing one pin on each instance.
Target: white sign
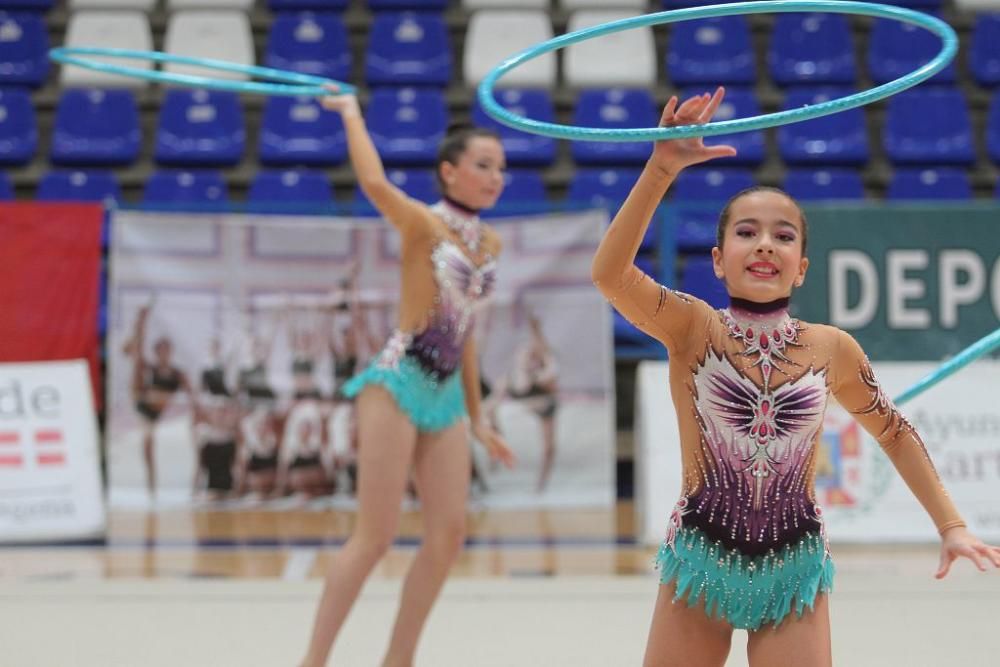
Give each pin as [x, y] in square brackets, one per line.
[50, 479]
[864, 499]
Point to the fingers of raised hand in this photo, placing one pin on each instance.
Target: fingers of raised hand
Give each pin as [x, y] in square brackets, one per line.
[667, 118]
[691, 108]
[713, 105]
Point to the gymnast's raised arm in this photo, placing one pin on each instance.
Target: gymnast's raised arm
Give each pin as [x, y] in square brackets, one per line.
[394, 204]
[655, 309]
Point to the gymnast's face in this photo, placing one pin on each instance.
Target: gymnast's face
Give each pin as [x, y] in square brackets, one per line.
[163, 351]
[761, 255]
[476, 178]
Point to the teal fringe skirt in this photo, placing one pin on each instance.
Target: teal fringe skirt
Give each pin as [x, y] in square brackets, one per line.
[431, 404]
[746, 592]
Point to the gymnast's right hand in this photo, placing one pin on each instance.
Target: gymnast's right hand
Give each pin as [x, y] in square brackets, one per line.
[675, 154]
[345, 104]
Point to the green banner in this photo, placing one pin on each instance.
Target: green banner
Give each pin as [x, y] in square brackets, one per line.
[910, 282]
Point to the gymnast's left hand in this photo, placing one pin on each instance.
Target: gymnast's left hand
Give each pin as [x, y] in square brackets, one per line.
[959, 541]
[494, 444]
[346, 104]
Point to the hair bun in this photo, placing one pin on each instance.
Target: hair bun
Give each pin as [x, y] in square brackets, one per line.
[459, 126]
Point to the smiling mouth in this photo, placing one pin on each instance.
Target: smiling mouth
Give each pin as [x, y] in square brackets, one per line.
[763, 270]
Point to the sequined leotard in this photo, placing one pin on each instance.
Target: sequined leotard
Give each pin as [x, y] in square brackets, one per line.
[750, 390]
[421, 363]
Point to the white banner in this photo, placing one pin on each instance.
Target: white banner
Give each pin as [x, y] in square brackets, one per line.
[257, 321]
[863, 498]
[50, 477]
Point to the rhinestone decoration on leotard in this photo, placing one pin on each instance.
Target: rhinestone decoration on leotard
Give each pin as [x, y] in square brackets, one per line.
[467, 227]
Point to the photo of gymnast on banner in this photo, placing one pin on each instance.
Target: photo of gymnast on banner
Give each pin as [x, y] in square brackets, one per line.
[230, 337]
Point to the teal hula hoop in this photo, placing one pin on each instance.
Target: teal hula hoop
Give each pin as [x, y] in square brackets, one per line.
[981, 347]
[280, 82]
[949, 48]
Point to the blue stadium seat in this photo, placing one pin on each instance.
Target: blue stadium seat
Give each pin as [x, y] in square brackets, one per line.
[522, 148]
[821, 184]
[523, 192]
[928, 126]
[993, 128]
[698, 279]
[812, 49]
[185, 187]
[750, 146]
[309, 43]
[613, 108]
[297, 131]
[984, 56]
[24, 46]
[698, 196]
[200, 127]
[408, 48]
[293, 186]
[30, 5]
[418, 183]
[837, 139]
[18, 127]
[896, 48]
[96, 127]
[932, 184]
[630, 342]
[711, 52]
[407, 124]
[307, 5]
[67, 185]
[602, 187]
[648, 265]
[6, 189]
[608, 188]
[628, 336]
[395, 5]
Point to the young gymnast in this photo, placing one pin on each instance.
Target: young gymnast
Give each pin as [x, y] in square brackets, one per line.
[153, 385]
[745, 544]
[533, 380]
[413, 399]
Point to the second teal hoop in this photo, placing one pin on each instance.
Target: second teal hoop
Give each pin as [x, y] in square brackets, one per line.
[278, 81]
[949, 47]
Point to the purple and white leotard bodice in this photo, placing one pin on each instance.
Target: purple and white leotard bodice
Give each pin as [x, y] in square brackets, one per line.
[462, 287]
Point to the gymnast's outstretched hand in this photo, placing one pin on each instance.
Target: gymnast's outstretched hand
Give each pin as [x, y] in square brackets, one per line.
[958, 541]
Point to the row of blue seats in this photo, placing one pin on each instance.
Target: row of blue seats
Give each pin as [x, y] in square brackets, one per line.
[927, 125]
[414, 49]
[335, 5]
[588, 185]
[696, 194]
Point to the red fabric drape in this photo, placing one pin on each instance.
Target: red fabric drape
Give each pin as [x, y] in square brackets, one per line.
[50, 259]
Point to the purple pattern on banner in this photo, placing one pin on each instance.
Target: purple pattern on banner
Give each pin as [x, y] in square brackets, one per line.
[754, 496]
